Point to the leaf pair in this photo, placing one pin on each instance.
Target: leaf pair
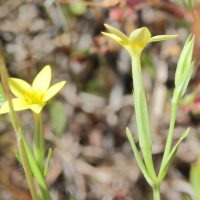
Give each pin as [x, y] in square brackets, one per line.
[170, 158]
[184, 69]
[164, 169]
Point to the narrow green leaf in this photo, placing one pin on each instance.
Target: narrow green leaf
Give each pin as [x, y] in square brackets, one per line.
[186, 78]
[183, 83]
[46, 169]
[191, 8]
[170, 158]
[190, 55]
[137, 156]
[195, 181]
[186, 197]
[36, 171]
[184, 60]
[2, 95]
[58, 117]
[17, 154]
[189, 98]
[71, 196]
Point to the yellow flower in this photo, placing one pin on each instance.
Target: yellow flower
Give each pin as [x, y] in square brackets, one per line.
[34, 97]
[137, 40]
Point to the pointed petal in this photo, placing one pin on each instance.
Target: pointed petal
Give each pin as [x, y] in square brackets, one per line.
[118, 33]
[161, 37]
[43, 79]
[140, 36]
[114, 37]
[18, 104]
[37, 107]
[19, 87]
[53, 90]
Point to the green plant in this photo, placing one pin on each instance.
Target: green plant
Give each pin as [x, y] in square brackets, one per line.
[195, 179]
[134, 45]
[33, 98]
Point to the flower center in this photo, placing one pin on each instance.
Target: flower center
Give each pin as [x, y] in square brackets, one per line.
[34, 97]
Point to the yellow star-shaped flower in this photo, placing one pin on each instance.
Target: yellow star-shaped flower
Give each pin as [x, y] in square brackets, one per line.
[34, 97]
[137, 40]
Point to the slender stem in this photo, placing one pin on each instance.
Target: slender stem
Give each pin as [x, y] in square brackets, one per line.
[22, 150]
[37, 172]
[170, 133]
[142, 115]
[46, 169]
[27, 158]
[156, 192]
[26, 166]
[39, 141]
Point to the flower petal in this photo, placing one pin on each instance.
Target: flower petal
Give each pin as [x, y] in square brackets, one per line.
[18, 104]
[161, 37]
[140, 36]
[43, 79]
[19, 87]
[53, 90]
[114, 37]
[37, 107]
[118, 33]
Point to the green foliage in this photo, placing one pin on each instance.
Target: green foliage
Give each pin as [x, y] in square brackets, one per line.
[1, 100]
[184, 69]
[17, 154]
[46, 169]
[71, 196]
[182, 77]
[92, 86]
[58, 117]
[143, 124]
[191, 7]
[2, 95]
[186, 197]
[188, 99]
[185, 60]
[183, 23]
[171, 156]
[75, 9]
[195, 179]
[181, 88]
[137, 156]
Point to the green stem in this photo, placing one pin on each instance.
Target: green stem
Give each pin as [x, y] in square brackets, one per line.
[156, 192]
[29, 163]
[46, 169]
[39, 141]
[170, 133]
[37, 172]
[142, 115]
[22, 150]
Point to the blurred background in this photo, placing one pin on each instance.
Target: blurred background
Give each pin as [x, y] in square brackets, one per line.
[85, 123]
